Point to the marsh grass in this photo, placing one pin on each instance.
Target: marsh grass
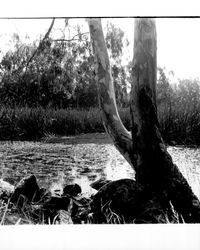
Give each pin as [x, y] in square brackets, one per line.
[35, 123]
[179, 125]
[11, 215]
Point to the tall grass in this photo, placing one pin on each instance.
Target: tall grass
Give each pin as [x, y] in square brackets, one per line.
[34, 123]
[178, 124]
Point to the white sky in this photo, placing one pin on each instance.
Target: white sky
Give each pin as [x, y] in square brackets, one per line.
[178, 39]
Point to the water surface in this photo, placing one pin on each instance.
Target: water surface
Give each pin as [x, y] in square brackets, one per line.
[82, 160]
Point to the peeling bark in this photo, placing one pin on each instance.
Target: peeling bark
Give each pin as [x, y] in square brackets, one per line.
[111, 120]
[155, 169]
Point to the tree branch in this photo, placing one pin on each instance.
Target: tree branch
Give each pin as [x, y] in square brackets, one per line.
[72, 39]
[41, 43]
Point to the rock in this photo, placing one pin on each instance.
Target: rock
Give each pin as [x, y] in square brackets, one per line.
[51, 207]
[72, 190]
[9, 179]
[82, 216]
[27, 190]
[99, 183]
[42, 195]
[83, 201]
[6, 190]
[81, 208]
[122, 201]
[56, 203]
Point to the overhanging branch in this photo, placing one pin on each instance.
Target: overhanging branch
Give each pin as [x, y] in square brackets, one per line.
[41, 43]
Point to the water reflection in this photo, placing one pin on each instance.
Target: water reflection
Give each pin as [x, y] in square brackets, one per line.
[188, 161]
[82, 163]
[117, 167]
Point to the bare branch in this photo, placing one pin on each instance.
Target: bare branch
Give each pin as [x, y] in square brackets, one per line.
[41, 43]
[49, 30]
[72, 39]
[67, 40]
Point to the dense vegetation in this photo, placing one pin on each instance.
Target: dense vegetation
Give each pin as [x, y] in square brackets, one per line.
[55, 93]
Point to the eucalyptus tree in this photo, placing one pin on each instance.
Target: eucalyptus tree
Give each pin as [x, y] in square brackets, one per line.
[143, 147]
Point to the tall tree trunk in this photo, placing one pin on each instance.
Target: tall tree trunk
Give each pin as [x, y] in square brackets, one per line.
[145, 149]
[154, 166]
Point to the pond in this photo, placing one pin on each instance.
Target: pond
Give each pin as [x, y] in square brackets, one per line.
[81, 159]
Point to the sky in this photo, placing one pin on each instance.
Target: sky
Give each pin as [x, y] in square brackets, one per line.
[178, 39]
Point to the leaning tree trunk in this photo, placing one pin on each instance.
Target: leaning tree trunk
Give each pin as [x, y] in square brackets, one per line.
[145, 149]
[111, 120]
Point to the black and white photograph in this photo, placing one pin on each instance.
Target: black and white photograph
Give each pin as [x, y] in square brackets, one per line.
[99, 121]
